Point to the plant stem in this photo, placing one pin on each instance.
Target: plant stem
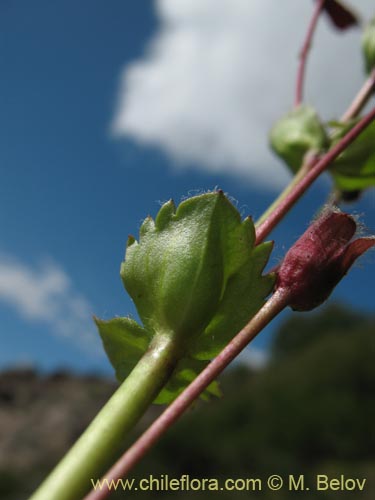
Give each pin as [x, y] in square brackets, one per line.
[309, 162]
[312, 168]
[288, 199]
[361, 99]
[305, 51]
[277, 302]
[101, 442]
[102, 439]
[359, 102]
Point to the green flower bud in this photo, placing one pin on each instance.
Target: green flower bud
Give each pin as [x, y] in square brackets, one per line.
[368, 45]
[297, 133]
[177, 273]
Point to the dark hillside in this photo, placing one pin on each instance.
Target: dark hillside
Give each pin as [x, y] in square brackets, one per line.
[310, 411]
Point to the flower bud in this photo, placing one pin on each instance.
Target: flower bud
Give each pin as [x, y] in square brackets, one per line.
[368, 45]
[297, 133]
[320, 258]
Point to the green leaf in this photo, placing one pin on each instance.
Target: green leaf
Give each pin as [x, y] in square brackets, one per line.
[186, 371]
[196, 278]
[125, 342]
[297, 133]
[354, 169]
[178, 271]
[244, 296]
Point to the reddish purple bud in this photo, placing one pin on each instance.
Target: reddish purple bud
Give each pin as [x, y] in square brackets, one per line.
[320, 258]
[341, 16]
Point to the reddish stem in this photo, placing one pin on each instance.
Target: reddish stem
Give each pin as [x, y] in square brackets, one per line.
[305, 51]
[299, 189]
[278, 301]
[273, 306]
[360, 99]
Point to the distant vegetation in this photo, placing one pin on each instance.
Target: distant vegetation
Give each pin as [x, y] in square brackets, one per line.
[311, 410]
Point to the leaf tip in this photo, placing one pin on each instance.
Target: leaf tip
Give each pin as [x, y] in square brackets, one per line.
[165, 214]
[130, 241]
[147, 226]
[96, 320]
[249, 228]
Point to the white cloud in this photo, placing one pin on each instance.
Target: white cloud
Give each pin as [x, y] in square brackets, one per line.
[218, 73]
[45, 294]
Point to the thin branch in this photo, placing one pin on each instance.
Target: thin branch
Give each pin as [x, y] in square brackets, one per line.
[278, 301]
[100, 442]
[309, 161]
[299, 189]
[361, 99]
[273, 306]
[305, 51]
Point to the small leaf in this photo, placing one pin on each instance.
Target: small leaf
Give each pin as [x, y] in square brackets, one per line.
[177, 272]
[196, 278]
[124, 341]
[354, 169]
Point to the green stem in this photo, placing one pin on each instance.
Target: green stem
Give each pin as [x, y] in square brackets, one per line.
[306, 179]
[275, 304]
[101, 442]
[359, 102]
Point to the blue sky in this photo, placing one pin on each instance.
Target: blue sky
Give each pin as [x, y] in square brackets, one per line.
[89, 147]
